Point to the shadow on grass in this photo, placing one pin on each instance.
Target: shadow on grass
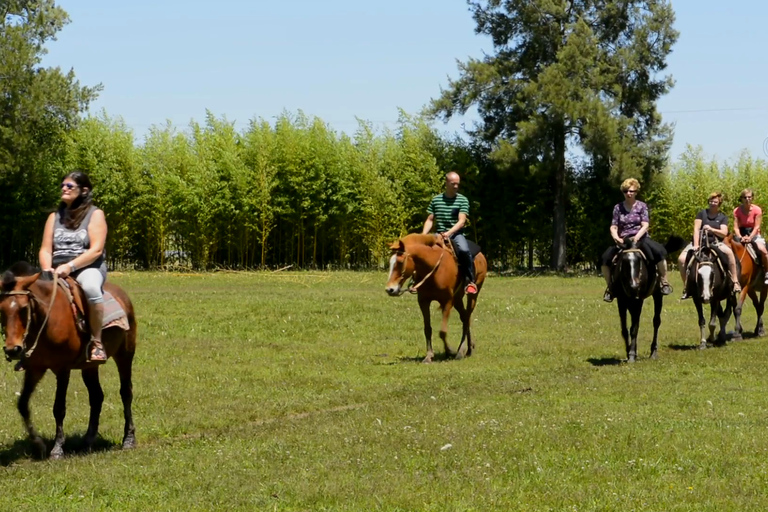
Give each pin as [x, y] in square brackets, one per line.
[438, 358]
[73, 446]
[604, 361]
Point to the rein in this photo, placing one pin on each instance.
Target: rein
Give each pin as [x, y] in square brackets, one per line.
[415, 288]
[27, 353]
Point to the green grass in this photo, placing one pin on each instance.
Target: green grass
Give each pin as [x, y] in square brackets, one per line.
[303, 391]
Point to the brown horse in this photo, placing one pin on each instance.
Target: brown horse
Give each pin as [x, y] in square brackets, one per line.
[432, 265]
[40, 329]
[752, 282]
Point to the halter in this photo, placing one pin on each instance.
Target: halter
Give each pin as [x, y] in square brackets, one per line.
[415, 288]
[27, 353]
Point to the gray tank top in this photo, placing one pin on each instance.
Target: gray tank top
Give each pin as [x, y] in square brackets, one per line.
[68, 244]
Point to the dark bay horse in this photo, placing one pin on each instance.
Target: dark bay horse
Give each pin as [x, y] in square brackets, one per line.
[433, 267]
[751, 278]
[634, 280]
[40, 329]
[709, 283]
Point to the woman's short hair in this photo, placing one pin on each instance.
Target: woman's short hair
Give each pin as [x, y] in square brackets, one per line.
[630, 183]
[746, 191]
[717, 195]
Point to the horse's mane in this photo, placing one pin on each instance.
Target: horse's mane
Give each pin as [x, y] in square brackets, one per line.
[18, 269]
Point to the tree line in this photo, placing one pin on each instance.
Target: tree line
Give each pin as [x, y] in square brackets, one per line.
[567, 110]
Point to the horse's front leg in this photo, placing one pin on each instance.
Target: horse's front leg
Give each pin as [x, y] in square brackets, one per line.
[59, 412]
[424, 306]
[702, 322]
[635, 310]
[623, 319]
[95, 399]
[714, 313]
[31, 378]
[658, 302]
[446, 308]
[458, 303]
[725, 315]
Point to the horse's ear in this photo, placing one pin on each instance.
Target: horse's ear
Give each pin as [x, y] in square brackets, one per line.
[23, 283]
[397, 246]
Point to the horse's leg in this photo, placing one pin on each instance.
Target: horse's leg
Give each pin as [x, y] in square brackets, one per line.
[702, 322]
[658, 302]
[124, 360]
[623, 319]
[59, 412]
[95, 398]
[424, 305]
[471, 303]
[737, 309]
[760, 309]
[714, 313]
[635, 310]
[724, 317]
[458, 303]
[31, 378]
[446, 308]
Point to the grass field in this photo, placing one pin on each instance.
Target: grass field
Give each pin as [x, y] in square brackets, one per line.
[304, 391]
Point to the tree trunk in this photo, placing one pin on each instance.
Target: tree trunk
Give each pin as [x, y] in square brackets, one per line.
[558, 238]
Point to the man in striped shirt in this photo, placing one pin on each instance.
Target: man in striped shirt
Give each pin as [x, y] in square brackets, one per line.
[448, 213]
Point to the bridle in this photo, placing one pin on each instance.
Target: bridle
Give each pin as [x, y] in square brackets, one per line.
[27, 353]
[414, 288]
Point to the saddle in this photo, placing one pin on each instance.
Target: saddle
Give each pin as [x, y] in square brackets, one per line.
[114, 314]
[474, 249]
[720, 258]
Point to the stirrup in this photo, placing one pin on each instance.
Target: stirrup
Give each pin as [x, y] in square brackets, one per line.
[666, 288]
[95, 352]
[684, 295]
[607, 297]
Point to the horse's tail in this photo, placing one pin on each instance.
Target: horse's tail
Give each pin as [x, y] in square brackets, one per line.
[674, 243]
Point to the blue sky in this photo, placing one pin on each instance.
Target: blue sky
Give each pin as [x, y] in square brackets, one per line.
[340, 59]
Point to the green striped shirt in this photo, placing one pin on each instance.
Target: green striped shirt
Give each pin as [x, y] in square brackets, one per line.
[446, 211]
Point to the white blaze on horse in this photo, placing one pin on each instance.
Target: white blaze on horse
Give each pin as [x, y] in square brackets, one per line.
[435, 271]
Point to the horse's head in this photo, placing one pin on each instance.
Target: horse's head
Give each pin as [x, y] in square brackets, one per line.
[16, 308]
[401, 267]
[633, 273]
[708, 279]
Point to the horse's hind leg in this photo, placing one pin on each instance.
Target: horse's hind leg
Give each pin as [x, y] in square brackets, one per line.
[124, 360]
[759, 309]
[424, 306]
[658, 302]
[31, 379]
[59, 412]
[95, 398]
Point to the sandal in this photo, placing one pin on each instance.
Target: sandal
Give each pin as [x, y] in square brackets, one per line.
[666, 288]
[607, 297]
[96, 353]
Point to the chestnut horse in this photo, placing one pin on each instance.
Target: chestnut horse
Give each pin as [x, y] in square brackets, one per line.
[40, 329]
[751, 278]
[427, 259]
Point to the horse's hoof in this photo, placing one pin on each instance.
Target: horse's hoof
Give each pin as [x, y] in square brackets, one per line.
[458, 355]
[56, 454]
[654, 356]
[129, 443]
[631, 359]
[703, 345]
[427, 360]
[736, 337]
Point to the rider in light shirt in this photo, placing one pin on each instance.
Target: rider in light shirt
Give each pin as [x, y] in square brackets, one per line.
[746, 223]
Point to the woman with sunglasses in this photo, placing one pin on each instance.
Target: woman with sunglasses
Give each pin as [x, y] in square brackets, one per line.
[73, 244]
[631, 221]
[714, 224]
[746, 223]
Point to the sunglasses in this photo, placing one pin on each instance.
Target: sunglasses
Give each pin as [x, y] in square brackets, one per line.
[746, 197]
[631, 192]
[68, 186]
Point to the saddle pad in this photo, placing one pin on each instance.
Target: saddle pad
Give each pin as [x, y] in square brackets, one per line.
[474, 249]
[752, 253]
[114, 314]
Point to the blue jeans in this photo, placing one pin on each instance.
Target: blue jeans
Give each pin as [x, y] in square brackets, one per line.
[466, 261]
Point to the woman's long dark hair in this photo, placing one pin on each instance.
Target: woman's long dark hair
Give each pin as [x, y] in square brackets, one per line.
[71, 216]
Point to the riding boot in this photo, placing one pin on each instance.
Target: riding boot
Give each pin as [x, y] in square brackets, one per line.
[469, 272]
[95, 350]
[661, 268]
[606, 270]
